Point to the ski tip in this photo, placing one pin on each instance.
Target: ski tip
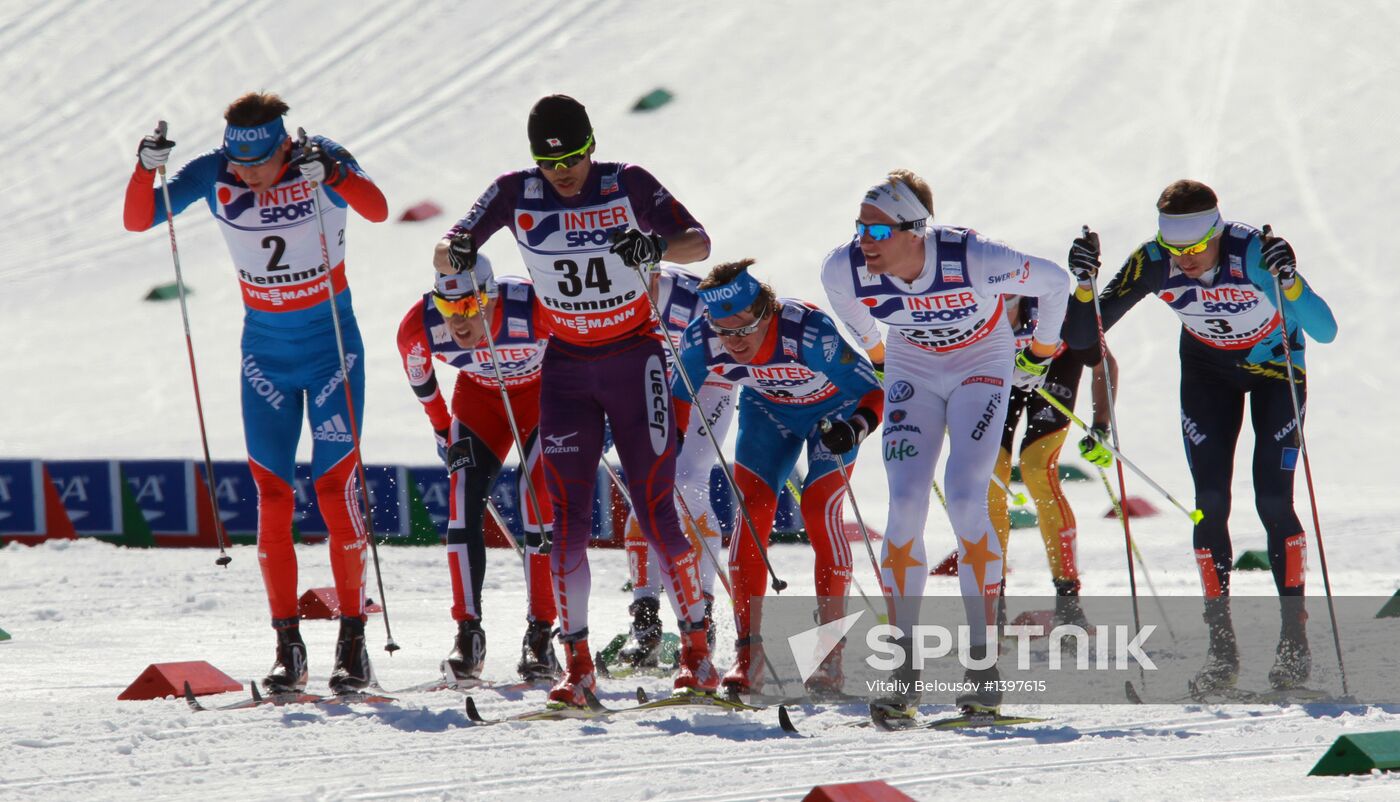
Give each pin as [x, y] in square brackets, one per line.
[785, 720]
[189, 698]
[257, 697]
[472, 713]
[591, 700]
[641, 695]
[1131, 692]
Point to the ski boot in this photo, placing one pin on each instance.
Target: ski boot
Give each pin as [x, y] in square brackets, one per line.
[899, 706]
[1067, 609]
[463, 664]
[696, 674]
[1292, 658]
[288, 672]
[537, 660]
[741, 678]
[579, 675]
[984, 697]
[829, 677]
[643, 647]
[352, 670]
[1222, 668]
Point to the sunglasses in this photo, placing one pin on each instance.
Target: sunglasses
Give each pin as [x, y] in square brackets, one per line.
[883, 231]
[1187, 250]
[466, 306]
[742, 331]
[568, 160]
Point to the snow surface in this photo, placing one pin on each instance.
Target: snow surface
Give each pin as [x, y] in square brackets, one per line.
[1029, 120]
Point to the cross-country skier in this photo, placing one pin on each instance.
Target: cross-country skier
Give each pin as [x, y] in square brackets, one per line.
[1218, 277]
[796, 373]
[675, 293]
[584, 229]
[950, 364]
[1046, 428]
[474, 439]
[260, 191]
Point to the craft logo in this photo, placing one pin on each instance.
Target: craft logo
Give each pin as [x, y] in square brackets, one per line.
[985, 422]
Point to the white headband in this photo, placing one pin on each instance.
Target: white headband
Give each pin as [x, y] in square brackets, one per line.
[896, 199]
[1188, 229]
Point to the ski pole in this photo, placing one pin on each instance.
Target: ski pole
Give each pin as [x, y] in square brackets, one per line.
[367, 520]
[1151, 588]
[1018, 499]
[1194, 515]
[525, 468]
[224, 559]
[778, 585]
[505, 530]
[1307, 467]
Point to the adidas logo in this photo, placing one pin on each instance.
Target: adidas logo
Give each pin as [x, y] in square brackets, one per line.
[333, 430]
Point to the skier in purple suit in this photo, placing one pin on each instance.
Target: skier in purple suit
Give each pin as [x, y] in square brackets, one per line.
[584, 228]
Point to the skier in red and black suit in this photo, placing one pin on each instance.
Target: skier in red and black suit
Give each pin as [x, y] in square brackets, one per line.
[449, 324]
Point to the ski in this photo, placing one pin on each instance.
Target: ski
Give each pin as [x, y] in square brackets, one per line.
[371, 695]
[553, 711]
[1274, 696]
[886, 719]
[467, 686]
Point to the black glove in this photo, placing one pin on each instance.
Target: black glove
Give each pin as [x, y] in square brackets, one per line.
[1030, 371]
[318, 166]
[154, 150]
[638, 249]
[461, 252]
[1278, 256]
[1084, 256]
[1093, 449]
[843, 435]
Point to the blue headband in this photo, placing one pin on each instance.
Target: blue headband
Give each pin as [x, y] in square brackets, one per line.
[732, 298]
[255, 145]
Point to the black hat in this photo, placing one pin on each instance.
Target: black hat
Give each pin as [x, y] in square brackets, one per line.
[558, 124]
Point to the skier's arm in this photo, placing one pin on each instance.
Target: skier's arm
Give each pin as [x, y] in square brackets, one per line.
[836, 279]
[694, 362]
[1133, 281]
[145, 208]
[351, 184]
[418, 366]
[852, 373]
[994, 268]
[1105, 378]
[491, 212]
[659, 213]
[1305, 309]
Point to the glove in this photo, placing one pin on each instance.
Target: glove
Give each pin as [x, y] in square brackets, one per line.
[638, 249]
[154, 150]
[1084, 256]
[879, 371]
[843, 435]
[318, 166]
[461, 252]
[1092, 448]
[444, 439]
[1278, 256]
[1030, 370]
